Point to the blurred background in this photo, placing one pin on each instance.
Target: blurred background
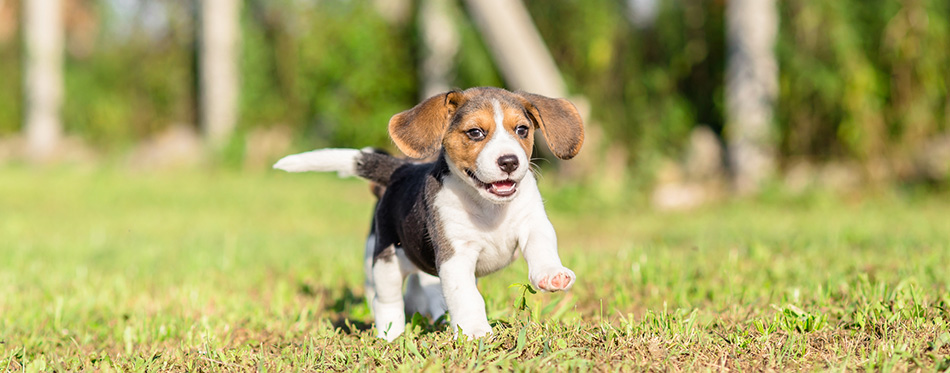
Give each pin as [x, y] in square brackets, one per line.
[686, 101]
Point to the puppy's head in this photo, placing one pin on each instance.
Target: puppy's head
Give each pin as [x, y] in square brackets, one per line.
[487, 134]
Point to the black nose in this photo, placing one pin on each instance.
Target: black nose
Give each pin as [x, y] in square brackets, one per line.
[508, 163]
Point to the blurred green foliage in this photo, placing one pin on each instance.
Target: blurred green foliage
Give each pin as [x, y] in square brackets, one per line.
[134, 83]
[337, 72]
[331, 71]
[862, 80]
[649, 85]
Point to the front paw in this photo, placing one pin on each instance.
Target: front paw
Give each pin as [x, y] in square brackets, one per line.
[474, 331]
[553, 279]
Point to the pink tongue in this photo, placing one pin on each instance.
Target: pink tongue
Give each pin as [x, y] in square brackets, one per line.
[503, 186]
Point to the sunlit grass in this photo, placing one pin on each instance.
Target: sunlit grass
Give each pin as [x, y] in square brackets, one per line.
[103, 269]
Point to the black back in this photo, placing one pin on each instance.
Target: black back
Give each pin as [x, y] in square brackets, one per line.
[404, 215]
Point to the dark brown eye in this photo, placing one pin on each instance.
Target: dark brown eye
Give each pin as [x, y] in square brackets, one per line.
[522, 131]
[476, 134]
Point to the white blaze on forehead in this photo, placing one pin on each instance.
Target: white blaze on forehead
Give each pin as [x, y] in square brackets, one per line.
[499, 115]
[501, 134]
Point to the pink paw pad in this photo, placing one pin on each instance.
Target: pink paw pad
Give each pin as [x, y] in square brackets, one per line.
[559, 281]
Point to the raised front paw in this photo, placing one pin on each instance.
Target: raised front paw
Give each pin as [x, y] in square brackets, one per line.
[553, 279]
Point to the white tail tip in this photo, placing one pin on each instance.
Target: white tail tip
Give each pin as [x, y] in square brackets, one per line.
[342, 161]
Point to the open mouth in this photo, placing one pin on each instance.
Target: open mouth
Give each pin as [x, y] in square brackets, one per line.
[503, 188]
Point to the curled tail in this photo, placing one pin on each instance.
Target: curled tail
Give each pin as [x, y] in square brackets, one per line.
[374, 165]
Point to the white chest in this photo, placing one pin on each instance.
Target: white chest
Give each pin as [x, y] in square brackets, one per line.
[488, 233]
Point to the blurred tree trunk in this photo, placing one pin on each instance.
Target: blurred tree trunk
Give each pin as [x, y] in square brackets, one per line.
[396, 12]
[751, 90]
[517, 47]
[43, 77]
[440, 45]
[219, 47]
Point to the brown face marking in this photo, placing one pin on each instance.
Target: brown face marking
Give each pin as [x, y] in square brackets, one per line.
[479, 113]
[458, 145]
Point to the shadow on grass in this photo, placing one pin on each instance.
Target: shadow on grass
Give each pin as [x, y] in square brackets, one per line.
[348, 326]
[343, 308]
[346, 302]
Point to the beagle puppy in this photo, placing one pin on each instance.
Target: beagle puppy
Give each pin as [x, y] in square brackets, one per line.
[439, 225]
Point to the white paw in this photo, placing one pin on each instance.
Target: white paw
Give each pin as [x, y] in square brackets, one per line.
[474, 331]
[553, 279]
[390, 331]
[390, 320]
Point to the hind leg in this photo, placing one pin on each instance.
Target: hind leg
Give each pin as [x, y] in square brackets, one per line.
[415, 298]
[369, 286]
[388, 303]
[390, 270]
[424, 295]
[432, 286]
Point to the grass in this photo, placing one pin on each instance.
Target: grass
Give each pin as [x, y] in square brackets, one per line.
[111, 270]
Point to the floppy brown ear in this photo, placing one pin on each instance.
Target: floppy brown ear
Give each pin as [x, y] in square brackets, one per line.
[418, 132]
[559, 121]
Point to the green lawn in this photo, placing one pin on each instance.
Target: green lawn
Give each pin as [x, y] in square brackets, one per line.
[104, 269]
